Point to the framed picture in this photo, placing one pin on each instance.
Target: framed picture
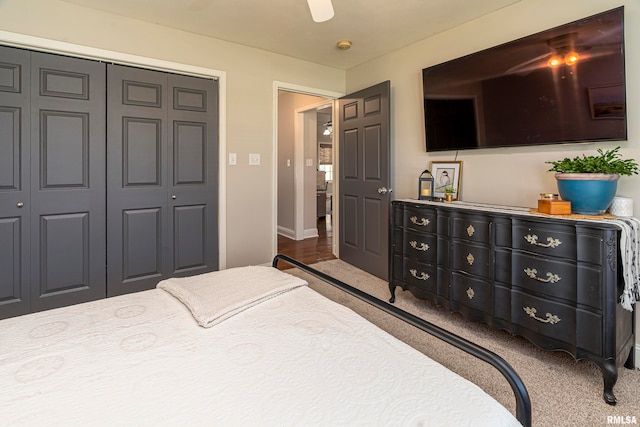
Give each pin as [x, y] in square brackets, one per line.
[446, 178]
[607, 102]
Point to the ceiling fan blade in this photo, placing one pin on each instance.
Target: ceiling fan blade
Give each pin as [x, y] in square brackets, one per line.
[321, 10]
[523, 66]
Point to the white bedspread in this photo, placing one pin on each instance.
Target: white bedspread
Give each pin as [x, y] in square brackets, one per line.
[295, 359]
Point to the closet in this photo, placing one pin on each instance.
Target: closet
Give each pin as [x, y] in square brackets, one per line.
[108, 179]
[162, 162]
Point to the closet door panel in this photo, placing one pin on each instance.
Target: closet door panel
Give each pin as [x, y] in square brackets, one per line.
[193, 116]
[141, 152]
[15, 203]
[64, 150]
[142, 245]
[138, 252]
[14, 295]
[64, 254]
[190, 237]
[68, 191]
[10, 148]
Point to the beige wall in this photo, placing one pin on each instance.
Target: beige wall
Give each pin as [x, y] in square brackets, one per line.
[524, 168]
[249, 210]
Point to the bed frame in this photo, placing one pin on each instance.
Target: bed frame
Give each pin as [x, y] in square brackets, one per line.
[523, 402]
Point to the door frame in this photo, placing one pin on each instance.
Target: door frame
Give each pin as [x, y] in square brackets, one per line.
[79, 51]
[299, 154]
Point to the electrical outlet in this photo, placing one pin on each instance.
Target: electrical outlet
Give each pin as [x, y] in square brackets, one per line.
[254, 159]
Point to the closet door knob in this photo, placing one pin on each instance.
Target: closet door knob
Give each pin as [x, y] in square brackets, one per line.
[173, 196]
[20, 204]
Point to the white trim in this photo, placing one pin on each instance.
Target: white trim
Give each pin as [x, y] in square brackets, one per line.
[286, 232]
[291, 87]
[637, 356]
[311, 232]
[298, 176]
[54, 46]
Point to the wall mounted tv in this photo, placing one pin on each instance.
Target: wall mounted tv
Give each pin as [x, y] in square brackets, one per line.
[566, 84]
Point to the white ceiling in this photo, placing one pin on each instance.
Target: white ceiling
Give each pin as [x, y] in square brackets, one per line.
[375, 27]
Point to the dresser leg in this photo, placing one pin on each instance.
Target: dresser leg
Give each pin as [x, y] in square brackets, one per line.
[392, 288]
[610, 376]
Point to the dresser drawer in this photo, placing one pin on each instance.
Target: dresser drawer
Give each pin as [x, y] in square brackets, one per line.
[474, 228]
[577, 283]
[473, 259]
[417, 218]
[544, 317]
[574, 327]
[558, 241]
[415, 273]
[412, 244]
[471, 292]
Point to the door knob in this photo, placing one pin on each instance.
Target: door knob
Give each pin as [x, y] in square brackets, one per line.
[384, 190]
[173, 196]
[20, 204]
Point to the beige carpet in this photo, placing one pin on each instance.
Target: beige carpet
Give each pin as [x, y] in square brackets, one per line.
[563, 392]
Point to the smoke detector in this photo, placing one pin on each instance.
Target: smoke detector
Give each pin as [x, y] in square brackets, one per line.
[344, 44]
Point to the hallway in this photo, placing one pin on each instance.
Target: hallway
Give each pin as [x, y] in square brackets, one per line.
[310, 250]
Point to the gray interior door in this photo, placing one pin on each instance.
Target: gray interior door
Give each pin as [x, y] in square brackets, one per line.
[15, 187]
[68, 230]
[52, 181]
[365, 179]
[162, 184]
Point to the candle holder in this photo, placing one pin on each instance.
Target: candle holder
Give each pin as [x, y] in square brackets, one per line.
[425, 186]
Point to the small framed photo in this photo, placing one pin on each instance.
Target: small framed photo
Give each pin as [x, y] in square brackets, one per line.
[446, 178]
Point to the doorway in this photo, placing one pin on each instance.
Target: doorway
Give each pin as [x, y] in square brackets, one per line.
[305, 224]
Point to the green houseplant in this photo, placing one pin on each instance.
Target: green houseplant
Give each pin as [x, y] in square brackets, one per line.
[590, 182]
[449, 193]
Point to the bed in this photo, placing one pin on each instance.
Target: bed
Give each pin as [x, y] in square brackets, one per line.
[243, 346]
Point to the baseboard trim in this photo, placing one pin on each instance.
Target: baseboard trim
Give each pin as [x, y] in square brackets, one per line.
[311, 232]
[286, 232]
[291, 234]
[637, 356]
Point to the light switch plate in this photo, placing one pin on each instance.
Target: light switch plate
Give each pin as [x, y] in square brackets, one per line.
[233, 160]
[309, 162]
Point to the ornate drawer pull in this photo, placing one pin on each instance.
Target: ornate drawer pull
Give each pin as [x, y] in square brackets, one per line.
[470, 258]
[421, 247]
[552, 243]
[421, 276]
[470, 230]
[551, 318]
[533, 273]
[470, 293]
[423, 221]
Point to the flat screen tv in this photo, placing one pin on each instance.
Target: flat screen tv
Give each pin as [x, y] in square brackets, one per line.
[566, 84]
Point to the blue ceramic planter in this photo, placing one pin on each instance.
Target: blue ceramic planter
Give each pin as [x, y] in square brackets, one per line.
[589, 193]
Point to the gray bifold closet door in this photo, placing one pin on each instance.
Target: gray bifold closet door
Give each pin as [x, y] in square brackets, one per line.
[52, 181]
[162, 161]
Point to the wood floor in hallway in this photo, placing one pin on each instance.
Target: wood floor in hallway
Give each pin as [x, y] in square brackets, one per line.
[310, 250]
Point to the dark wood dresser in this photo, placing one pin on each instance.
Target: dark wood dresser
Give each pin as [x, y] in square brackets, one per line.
[553, 281]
